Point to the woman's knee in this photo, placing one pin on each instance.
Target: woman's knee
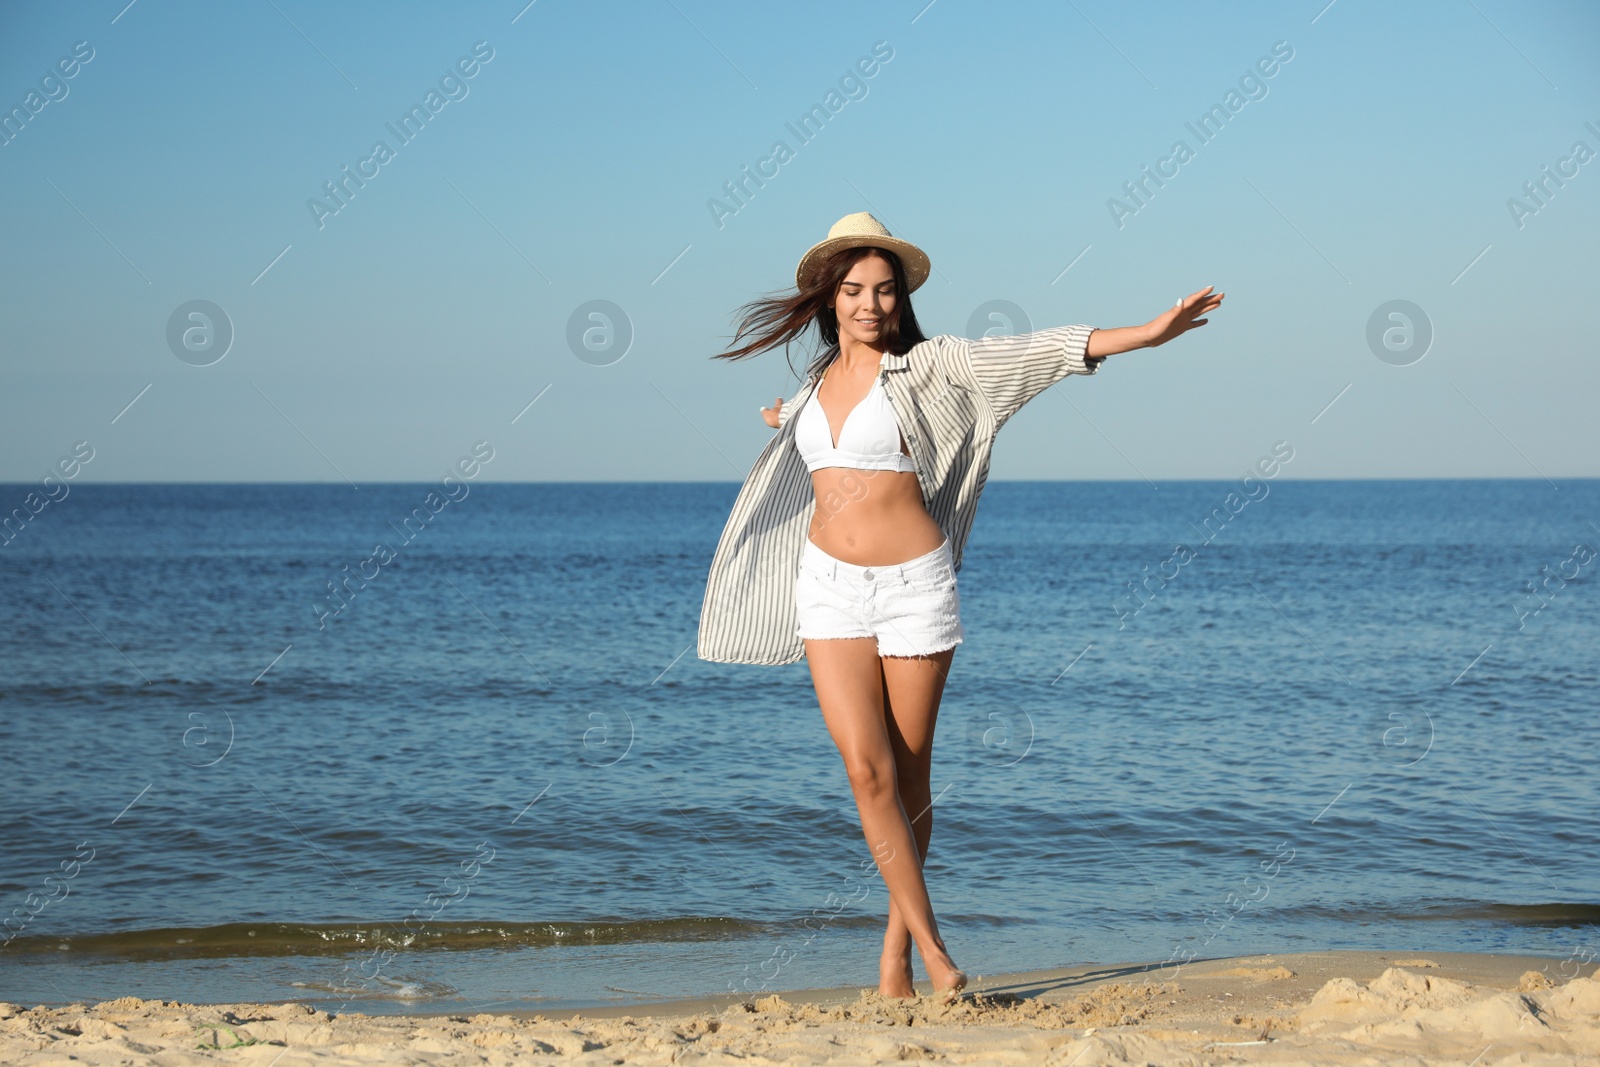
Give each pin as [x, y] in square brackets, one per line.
[871, 777]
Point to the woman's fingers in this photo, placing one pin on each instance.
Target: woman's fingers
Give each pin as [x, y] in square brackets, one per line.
[1197, 303]
[1193, 308]
[1186, 314]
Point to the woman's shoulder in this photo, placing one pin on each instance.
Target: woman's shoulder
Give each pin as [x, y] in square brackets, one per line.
[939, 348]
[934, 360]
[939, 342]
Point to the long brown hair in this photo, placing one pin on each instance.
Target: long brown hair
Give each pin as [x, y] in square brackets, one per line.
[778, 320]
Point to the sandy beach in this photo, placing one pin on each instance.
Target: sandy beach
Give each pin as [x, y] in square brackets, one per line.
[1319, 1007]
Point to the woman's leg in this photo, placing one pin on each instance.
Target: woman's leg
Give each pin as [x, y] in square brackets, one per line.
[849, 680]
[912, 689]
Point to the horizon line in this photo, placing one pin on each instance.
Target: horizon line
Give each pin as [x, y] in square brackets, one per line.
[729, 481]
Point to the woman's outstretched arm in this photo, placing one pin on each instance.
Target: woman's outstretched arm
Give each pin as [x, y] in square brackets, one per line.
[1159, 330]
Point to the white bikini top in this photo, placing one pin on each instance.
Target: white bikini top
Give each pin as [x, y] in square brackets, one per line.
[868, 440]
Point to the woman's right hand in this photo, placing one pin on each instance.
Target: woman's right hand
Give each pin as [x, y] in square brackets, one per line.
[770, 415]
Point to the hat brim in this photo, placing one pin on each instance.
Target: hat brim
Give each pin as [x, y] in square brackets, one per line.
[913, 259]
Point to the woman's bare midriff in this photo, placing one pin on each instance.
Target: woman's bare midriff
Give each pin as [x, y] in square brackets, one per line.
[871, 518]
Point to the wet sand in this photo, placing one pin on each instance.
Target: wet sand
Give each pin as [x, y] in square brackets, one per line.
[1318, 1007]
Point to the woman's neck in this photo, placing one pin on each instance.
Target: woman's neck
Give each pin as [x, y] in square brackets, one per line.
[853, 354]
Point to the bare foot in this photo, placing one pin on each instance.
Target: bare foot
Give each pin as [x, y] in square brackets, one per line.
[948, 979]
[894, 974]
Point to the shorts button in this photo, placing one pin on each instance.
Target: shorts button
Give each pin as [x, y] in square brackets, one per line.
[867, 575]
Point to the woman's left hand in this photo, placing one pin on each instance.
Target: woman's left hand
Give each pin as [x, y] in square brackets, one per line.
[1183, 316]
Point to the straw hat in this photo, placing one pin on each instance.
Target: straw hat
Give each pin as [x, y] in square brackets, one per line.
[856, 231]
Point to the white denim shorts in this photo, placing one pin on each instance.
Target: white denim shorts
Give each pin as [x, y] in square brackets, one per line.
[912, 608]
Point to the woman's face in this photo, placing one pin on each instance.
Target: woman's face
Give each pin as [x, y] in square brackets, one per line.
[866, 300]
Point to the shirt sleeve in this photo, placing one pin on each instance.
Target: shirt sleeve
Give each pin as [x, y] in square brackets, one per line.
[1013, 369]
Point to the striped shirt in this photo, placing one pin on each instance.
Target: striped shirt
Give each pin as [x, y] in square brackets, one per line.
[951, 395]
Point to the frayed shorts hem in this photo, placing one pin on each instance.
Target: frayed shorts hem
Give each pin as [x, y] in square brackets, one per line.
[924, 654]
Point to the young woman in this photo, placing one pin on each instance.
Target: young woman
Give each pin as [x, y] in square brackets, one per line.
[845, 539]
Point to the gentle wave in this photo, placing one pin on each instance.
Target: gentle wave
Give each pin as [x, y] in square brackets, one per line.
[1553, 915]
[334, 939]
[337, 939]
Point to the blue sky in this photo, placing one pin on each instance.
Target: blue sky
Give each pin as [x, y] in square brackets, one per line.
[579, 163]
